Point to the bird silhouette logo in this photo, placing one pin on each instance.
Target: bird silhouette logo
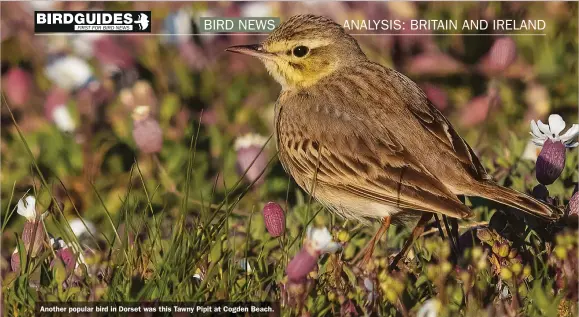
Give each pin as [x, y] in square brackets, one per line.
[143, 21]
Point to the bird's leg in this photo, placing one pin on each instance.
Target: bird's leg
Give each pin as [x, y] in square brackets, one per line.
[451, 236]
[418, 230]
[454, 228]
[439, 226]
[369, 250]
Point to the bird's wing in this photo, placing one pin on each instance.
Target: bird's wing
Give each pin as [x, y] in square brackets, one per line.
[339, 149]
[433, 121]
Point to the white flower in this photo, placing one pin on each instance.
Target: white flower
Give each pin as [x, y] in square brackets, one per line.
[541, 132]
[83, 43]
[61, 243]
[69, 72]
[250, 139]
[256, 10]
[41, 5]
[430, 308]
[179, 25]
[531, 151]
[321, 240]
[79, 228]
[62, 118]
[27, 207]
[197, 15]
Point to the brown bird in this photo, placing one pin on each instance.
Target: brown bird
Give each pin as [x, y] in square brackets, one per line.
[363, 139]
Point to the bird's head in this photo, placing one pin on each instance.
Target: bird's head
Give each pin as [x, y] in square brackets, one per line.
[304, 49]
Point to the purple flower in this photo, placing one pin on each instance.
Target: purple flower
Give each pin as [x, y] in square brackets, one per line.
[33, 233]
[301, 265]
[502, 54]
[551, 160]
[318, 241]
[251, 159]
[15, 261]
[542, 132]
[146, 131]
[65, 254]
[274, 219]
[112, 55]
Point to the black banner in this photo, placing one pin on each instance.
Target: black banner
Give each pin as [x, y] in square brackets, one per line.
[92, 21]
[158, 308]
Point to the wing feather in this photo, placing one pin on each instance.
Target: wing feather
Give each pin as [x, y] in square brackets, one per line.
[342, 152]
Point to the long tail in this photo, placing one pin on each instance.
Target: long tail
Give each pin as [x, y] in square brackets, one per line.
[515, 199]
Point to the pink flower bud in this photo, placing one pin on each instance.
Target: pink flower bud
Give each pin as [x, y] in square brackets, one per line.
[550, 162]
[146, 131]
[15, 261]
[251, 159]
[111, 53]
[67, 257]
[475, 111]
[436, 95]
[301, 265]
[274, 219]
[33, 230]
[17, 84]
[502, 54]
[438, 64]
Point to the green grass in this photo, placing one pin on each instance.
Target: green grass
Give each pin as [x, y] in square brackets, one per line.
[167, 240]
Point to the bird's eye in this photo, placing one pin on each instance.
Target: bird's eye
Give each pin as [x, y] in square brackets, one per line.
[300, 51]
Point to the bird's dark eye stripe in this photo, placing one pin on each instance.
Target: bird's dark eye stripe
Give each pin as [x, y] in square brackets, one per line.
[296, 66]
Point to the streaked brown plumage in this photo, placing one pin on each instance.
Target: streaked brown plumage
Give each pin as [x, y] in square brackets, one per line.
[369, 137]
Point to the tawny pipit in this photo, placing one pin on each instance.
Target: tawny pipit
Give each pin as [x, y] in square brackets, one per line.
[364, 139]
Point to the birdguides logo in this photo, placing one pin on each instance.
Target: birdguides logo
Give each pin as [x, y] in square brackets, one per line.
[92, 21]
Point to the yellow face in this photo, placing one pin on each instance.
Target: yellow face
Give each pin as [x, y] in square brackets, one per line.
[299, 63]
[303, 50]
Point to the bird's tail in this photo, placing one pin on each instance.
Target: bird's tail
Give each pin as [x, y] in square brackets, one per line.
[515, 199]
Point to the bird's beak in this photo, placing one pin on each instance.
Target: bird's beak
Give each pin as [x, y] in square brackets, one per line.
[255, 50]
